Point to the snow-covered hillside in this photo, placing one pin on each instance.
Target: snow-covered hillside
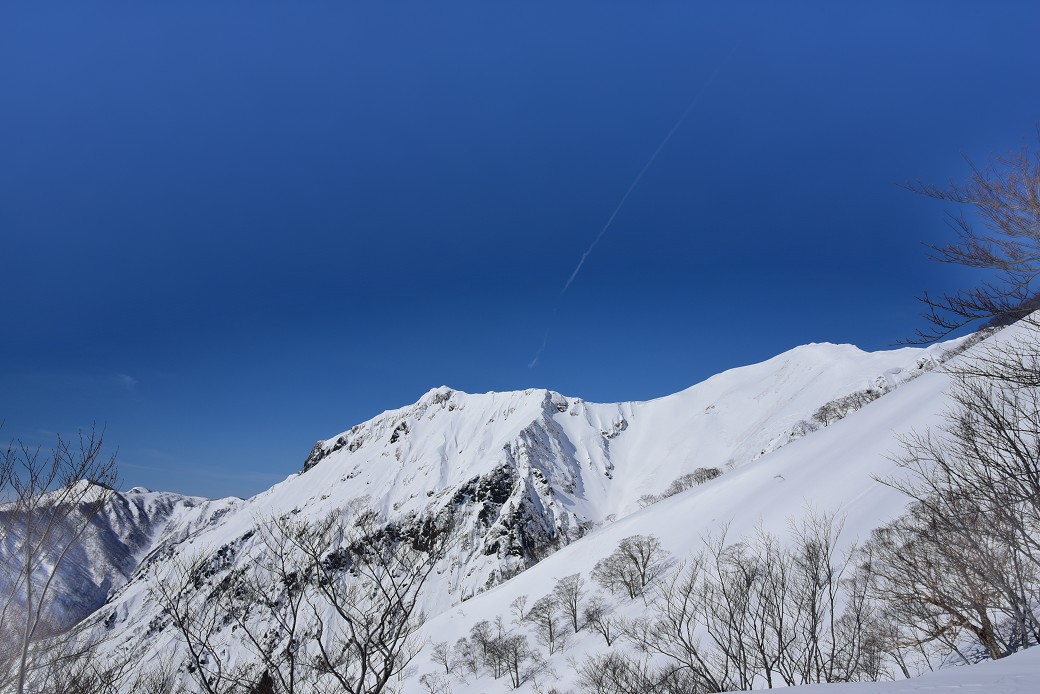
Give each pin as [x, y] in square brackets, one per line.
[1016, 674]
[125, 530]
[542, 486]
[531, 472]
[830, 471]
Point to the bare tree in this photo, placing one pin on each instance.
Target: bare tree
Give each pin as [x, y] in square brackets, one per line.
[671, 630]
[270, 602]
[783, 612]
[936, 585]
[649, 500]
[759, 612]
[467, 656]
[975, 520]
[51, 502]
[196, 610]
[434, 683]
[442, 655]
[618, 673]
[569, 591]
[638, 561]
[519, 607]
[842, 407]
[691, 480]
[545, 615]
[515, 654]
[727, 587]
[598, 617]
[681, 484]
[482, 635]
[71, 664]
[367, 581]
[819, 572]
[160, 678]
[75, 664]
[328, 606]
[1004, 195]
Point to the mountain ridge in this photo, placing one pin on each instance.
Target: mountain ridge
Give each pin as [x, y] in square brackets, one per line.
[526, 472]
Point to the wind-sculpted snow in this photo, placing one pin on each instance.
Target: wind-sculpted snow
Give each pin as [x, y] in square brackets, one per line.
[528, 474]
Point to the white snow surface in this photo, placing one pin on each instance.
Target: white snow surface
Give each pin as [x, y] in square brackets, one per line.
[830, 471]
[1019, 673]
[577, 470]
[126, 529]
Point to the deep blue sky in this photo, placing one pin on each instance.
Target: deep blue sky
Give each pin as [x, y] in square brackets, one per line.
[232, 228]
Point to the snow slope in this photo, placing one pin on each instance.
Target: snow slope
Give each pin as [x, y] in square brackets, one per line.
[1016, 674]
[830, 471]
[550, 484]
[126, 529]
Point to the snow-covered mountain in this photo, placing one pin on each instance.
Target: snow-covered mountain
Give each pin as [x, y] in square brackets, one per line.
[110, 549]
[535, 469]
[543, 485]
[829, 471]
[529, 473]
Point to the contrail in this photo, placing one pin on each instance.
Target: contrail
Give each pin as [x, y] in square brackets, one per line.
[649, 162]
[534, 362]
[635, 182]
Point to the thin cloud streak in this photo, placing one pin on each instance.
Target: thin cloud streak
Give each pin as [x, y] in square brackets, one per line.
[635, 182]
[126, 381]
[646, 167]
[545, 341]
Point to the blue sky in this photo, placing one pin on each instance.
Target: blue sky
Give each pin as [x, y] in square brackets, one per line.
[230, 229]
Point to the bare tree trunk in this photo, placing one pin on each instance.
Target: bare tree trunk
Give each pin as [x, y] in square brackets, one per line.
[53, 501]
